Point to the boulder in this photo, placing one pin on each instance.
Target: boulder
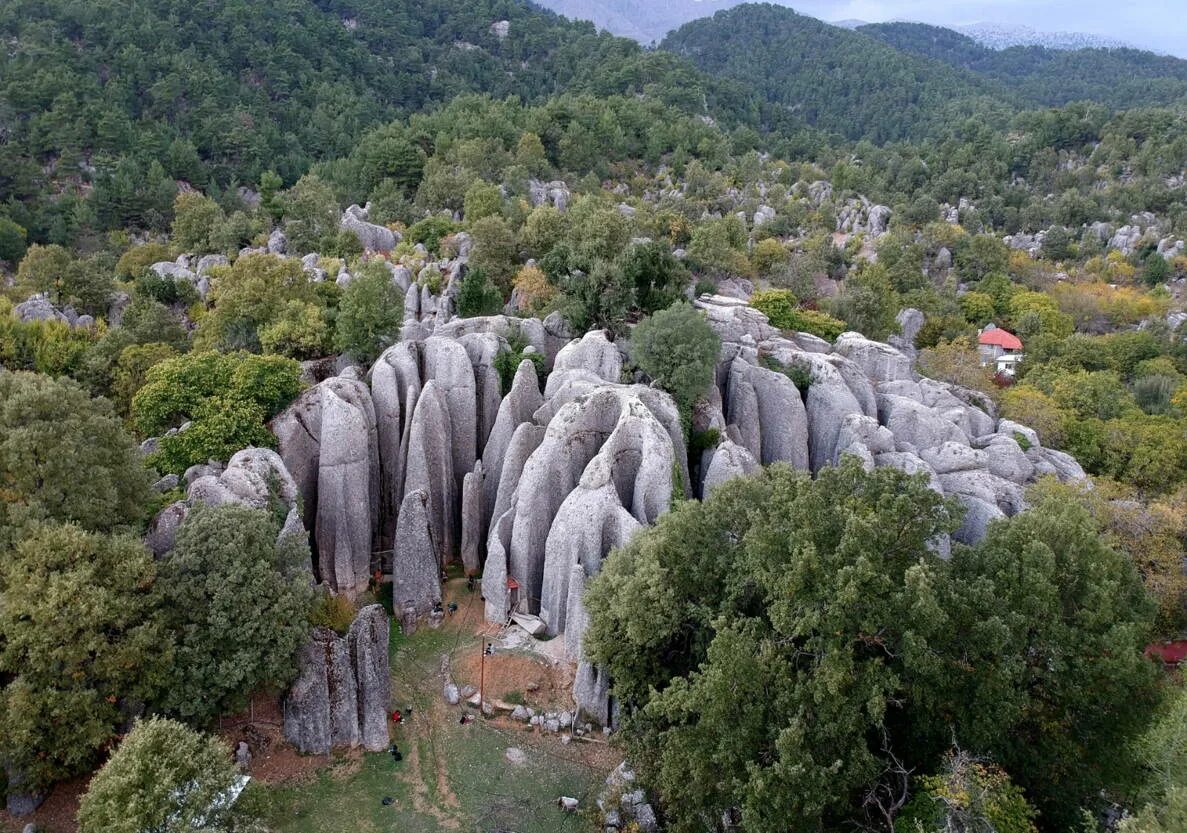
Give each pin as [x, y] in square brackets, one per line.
[879, 362]
[473, 524]
[367, 641]
[321, 707]
[916, 424]
[727, 461]
[416, 562]
[372, 237]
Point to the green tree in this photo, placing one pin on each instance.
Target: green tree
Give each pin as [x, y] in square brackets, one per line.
[311, 215]
[300, 331]
[494, 249]
[248, 296]
[981, 255]
[196, 222]
[239, 610]
[12, 240]
[482, 200]
[1051, 674]
[744, 680]
[868, 303]
[678, 349]
[370, 314]
[599, 300]
[134, 262]
[43, 269]
[82, 641]
[1156, 270]
[656, 275]
[718, 247]
[131, 371]
[226, 398]
[478, 296]
[66, 457]
[166, 776]
[271, 202]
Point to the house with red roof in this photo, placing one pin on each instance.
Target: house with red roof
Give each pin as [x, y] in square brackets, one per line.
[999, 349]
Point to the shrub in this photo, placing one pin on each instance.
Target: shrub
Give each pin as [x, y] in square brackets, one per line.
[678, 349]
[370, 314]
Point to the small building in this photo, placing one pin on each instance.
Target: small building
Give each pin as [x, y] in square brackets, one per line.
[999, 349]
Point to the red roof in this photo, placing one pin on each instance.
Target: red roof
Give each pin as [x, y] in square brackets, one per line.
[1172, 653]
[1000, 338]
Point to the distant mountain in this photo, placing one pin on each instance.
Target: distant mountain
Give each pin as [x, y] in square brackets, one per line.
[1004, 35]
[1119, 78]
[642, 20]
[842, 81]
[849, 23]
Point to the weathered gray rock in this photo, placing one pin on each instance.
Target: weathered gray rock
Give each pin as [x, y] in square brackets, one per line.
[589, 523]
[592, 353]
[430, 467]
[347, 487]
[767, 409]
[591, 693]
[21, 800]
[516, 408]
[864, 431]
[416, 560]
[162, 532]
[611, 427]
[447, 364]
[395, 388]
[367, 641]
[914, 423]
[879, 362]
[321, 707]
[37, 308]
[278, 244]
[1007, 459]
[952, 457]
[473, 524]
[372, 237]
[725, 462]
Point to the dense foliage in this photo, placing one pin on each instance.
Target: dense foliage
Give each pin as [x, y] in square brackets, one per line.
[239, 604]
[165, 775]
[786, 648]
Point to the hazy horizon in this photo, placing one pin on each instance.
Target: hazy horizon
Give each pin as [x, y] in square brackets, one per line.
[1158, 25]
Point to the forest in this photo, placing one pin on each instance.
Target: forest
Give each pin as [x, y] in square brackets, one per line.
[318, 297]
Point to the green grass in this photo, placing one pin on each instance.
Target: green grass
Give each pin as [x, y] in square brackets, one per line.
[465, 781]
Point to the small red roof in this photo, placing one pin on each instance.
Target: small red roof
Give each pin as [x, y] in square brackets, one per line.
[1172, 653]
[1000, 338]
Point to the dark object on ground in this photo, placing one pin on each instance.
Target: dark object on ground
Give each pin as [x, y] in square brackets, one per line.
[387, 801]
[452, 608]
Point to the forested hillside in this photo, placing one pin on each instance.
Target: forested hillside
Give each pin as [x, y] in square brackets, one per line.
[131, 96]
[1118, 78]
[832, 78]
[456, 419]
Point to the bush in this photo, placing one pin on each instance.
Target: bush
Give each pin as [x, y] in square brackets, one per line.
[82, 643]
[478, 296]
[227, 398]
[370, 314]
[66, 457]
[678, 349]
[12, 240]
[165, 776]
[778, 305]
[429, 232]
[334, 612]
[299, 332]
[240, 614]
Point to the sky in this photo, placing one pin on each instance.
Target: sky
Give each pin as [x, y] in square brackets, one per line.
[1160, 25]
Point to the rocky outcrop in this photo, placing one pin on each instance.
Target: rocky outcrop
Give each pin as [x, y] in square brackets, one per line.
[372, 237]
[328, 440]
[416, 561]
[864, 399]
[343, 688]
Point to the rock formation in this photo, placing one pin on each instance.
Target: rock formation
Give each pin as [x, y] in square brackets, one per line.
[343, 688]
